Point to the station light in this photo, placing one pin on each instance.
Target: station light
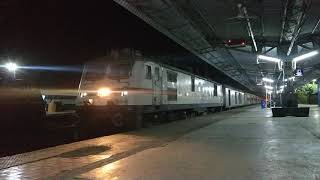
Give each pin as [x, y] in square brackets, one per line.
[10, 66]
[290, 78]
[268, 58]
[280, 91]
[269, 92]
[303, 57]
[268, 80]
[268, 87]
[283, 86]
[271, 59]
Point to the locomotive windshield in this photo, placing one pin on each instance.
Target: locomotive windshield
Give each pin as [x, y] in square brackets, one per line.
[99, 71]
[94, 72]
[118, 70]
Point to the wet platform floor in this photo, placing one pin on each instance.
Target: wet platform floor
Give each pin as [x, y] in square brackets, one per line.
[244, 143]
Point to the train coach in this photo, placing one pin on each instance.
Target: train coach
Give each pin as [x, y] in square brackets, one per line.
[123, 91]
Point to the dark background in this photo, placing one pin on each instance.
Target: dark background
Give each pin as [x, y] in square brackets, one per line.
[71, 32]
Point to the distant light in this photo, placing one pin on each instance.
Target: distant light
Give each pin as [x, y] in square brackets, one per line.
[305, 56]
[291, 78]
[268, 58]
[314, 80]
[283, 86]
[268, 80]
[280, 91]
[12, 67]
[268, 87]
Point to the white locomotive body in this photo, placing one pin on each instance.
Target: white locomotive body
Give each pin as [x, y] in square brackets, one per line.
[122, 88]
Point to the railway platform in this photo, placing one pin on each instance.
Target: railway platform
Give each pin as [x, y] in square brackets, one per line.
[243, 143]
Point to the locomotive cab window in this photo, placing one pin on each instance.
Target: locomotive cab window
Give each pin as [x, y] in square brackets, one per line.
[157, 73]
[148, 73]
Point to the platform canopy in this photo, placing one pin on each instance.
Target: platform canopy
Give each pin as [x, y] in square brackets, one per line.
[230, 34]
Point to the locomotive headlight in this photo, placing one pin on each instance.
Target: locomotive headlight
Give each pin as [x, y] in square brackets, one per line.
[83, 94]
[103, 92]
[124, 93]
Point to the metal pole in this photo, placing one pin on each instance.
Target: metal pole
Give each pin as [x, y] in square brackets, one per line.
[318, 83]
[266, 98]
[250, 29]
[270, 99]
[315, 27]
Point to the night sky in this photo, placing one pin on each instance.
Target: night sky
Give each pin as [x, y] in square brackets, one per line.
[70, 32]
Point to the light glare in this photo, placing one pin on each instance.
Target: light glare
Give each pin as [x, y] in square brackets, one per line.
[11, 66]
[103, 92]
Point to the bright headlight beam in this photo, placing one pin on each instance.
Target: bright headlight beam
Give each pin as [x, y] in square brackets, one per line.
[10, 66]
[103, 92]
[268, 58]
[268, 80]
[305, 56]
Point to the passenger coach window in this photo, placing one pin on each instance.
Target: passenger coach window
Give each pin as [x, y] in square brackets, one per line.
[192, 84]
[157, 73]
[171, 76]
[148, 72]
[236, 98]
[215, 91]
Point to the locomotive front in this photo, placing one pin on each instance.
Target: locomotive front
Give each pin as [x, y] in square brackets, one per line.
[103, 95]
[104, 83]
